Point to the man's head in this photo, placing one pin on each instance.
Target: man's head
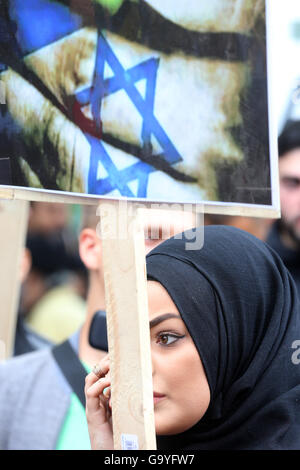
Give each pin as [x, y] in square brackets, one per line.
[159, 224]
[289, 175]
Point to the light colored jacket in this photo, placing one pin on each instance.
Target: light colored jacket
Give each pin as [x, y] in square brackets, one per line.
[34, 400]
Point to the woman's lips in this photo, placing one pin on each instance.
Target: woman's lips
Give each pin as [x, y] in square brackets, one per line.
[157, 397]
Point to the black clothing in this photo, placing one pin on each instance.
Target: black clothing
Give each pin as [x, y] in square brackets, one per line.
[241, 308]
[291, 258]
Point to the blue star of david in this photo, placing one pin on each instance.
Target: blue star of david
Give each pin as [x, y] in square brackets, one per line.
[101, 87]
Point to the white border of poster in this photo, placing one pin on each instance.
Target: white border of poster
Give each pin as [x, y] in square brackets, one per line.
[231, 208]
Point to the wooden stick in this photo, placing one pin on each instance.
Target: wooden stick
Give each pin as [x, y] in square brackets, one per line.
[128, 326]
[13, 222]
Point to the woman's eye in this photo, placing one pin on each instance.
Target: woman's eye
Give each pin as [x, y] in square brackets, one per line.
[166, 339]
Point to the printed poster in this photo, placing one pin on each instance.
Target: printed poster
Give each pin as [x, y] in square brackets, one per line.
[143, 99]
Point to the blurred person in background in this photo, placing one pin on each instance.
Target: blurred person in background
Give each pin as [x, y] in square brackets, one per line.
[284, 235]
[40, 405]
[53, 295]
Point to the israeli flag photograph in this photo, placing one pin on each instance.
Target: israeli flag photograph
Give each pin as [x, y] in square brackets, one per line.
[140, 99]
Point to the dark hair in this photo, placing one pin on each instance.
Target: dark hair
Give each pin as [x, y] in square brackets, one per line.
[289, 138]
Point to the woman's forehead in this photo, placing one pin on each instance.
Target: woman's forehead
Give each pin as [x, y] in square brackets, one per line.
[159, 300]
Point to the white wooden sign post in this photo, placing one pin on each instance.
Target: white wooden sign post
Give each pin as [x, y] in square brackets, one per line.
[13, 225]
[128, 327]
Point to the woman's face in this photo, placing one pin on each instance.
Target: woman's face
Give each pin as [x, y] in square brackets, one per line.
[181, 391]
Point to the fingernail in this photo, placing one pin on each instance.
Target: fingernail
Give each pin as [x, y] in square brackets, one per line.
[98, 371]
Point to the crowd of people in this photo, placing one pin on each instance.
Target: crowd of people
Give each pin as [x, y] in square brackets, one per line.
[223, 374]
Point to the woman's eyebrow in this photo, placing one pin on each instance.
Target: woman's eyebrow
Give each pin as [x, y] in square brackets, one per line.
[162, 318]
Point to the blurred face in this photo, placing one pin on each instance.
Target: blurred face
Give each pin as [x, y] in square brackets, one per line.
[181, 391]
[289, 173]
[163, 224]
[47, 217]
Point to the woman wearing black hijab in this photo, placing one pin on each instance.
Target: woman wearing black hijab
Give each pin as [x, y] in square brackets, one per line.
[239, 310]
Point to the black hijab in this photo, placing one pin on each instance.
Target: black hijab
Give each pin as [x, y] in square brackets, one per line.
[241, 308]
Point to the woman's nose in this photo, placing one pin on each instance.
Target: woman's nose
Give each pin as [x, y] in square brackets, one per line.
[153, 361]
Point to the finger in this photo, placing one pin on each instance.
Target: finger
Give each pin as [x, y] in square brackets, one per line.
[101, 368]
[97, 388]
[94, 396]
[107, 392]
[92, 378]
[100, 371]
